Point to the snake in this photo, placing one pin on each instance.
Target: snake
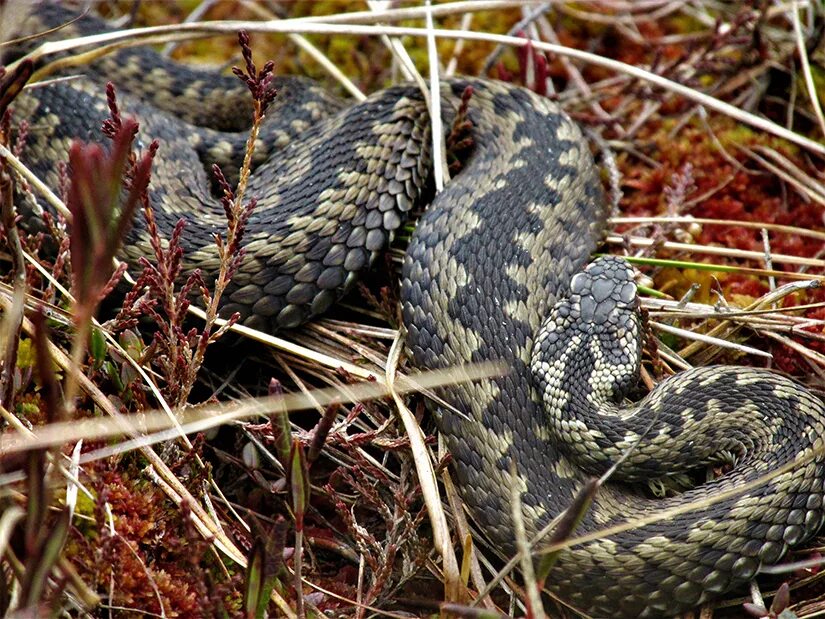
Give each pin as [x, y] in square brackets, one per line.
[498, 268]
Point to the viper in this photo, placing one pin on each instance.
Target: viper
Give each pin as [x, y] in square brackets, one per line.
[496, 269]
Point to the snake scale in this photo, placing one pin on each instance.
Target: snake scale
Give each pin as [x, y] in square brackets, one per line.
[497, 252]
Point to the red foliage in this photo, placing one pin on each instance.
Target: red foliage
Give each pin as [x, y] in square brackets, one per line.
[153, 549]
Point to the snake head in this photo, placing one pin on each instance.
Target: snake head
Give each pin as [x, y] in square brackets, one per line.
[602, 302]
[595, 331]
[604, 288]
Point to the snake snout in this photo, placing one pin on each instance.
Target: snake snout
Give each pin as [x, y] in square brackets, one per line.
[602, 297]
[607, 278]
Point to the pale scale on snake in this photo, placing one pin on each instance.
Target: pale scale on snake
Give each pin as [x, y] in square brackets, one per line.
[487, 262]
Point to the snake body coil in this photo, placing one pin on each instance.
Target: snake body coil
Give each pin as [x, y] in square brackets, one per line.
[493, 255]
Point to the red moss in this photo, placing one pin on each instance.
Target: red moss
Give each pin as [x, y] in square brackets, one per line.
[153, 548]
[746, 194]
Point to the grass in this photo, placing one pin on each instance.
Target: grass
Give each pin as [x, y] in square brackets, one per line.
[321, 485]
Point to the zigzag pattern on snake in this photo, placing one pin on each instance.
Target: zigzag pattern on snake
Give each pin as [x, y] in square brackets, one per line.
[495, 254]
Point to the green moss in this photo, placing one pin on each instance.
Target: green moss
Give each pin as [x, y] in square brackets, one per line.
[683, 23]
[25, 354]
[732, 133]
[28, 409]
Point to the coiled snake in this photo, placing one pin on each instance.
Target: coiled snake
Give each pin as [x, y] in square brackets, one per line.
[487, 262]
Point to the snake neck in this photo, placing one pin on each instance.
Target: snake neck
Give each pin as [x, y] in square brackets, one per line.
[586, 359]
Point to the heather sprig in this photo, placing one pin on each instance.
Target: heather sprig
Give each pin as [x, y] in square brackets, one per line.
[11, 83]
[156, 294]
[260, 85]
[163, 290]
[258, 82]
[459, 140]
[230, 248]
[100, 219]
[532, 67]
[100, 216]
[237, 217]
[36, 543]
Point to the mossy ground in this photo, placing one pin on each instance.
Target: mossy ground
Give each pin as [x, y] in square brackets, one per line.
[365, 531]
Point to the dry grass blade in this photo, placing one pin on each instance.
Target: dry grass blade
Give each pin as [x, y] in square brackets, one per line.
[110, 41]
[533, 599]
[726, 328]
[380, 14]
[712, 341]
[41, 187]
[805, 186]
[687, 219]
[469, 559]
[806, 65]
[427, 479]
[441, 173]
[213, 415]
[710, 250]
[396, 47]
[8, 520]
[316, 54]
[292, 348]
[788, 170]
[817, 357]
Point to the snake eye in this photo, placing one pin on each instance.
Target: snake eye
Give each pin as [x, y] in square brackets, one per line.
[578, 283]
[628, 292]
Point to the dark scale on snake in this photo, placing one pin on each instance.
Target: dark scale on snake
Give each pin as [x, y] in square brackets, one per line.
[494, 270]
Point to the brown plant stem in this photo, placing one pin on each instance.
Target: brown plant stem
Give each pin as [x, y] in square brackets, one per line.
[10, 335]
